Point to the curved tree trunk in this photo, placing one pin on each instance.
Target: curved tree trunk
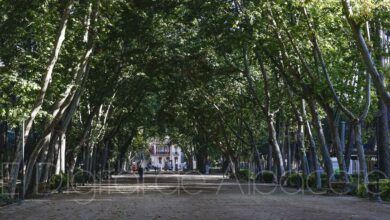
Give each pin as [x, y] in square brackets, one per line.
[86, 132]
[46, 78]
[313, 147]
[321, 138]
[334, 133]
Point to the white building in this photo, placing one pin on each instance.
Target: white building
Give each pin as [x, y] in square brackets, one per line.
[166, 156]
[353, 165]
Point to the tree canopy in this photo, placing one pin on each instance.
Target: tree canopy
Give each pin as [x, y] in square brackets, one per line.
[223, 78]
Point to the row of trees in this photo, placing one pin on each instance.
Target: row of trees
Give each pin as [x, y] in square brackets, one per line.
[92, 80]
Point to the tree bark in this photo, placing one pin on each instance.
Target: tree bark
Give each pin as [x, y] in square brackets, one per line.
[46, 78]
[362, 157]
[321, 138]
[334, 133]
[383, 117]
[313, 147]
[289, 164]
[57, 127]
[383, 139]
[86, 132]
[349, 146]
[269, 157]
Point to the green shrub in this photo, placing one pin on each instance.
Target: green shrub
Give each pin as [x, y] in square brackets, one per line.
[267, 177]
[354, 178]
[4, 197]
[372, 177]
[311, 180]
[352, 189]
[296, 180]
[361, 191]
[244, 174]
[58, 182]
[385, 189]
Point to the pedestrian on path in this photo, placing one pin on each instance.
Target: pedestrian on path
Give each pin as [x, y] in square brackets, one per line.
[141, 172]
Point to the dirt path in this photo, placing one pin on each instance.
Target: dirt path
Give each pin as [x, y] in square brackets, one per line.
[191, 197]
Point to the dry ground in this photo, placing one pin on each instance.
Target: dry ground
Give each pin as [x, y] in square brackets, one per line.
[191, 197]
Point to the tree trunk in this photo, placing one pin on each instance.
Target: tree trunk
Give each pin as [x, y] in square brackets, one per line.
[383, 139]
[321, 138]
[278, 163]
[301, 147]
[349, 146]
[60, 165]
[269, 157]
[383, 118]
[334, 133]
[361, 154]
[46, 78]
[73, 94]
[61, 122]
[313, 147]
[342, 140]
[289, 164]
[49, 160]
[105, 156]
[86, 132]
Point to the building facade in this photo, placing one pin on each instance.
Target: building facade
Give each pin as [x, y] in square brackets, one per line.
[166, 156]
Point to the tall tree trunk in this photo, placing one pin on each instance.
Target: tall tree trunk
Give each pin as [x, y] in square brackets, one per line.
[278, 163]
[313, 147]
[86, 132]
[342, 137]
[281, 136]
[334, 133]
[60, 165]
[46, 78]
[50, 158]
[73, 94]
[61, 122]
[383, 139]
[301, 142]
[269, 157]
[349, 146]
[321, 139]
[362, 157]
[105, 156]
[125, 148]
[383, 118]
[289, 156]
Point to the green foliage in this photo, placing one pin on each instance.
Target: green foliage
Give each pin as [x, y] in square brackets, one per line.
[58, 182]
[311, 180]
[244, 174]
[176, 68]
[361, 190]
[4, 198]
[296, 180]
[385, 189]
[266, 176]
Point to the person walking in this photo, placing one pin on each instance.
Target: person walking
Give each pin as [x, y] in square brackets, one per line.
[141, 172]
